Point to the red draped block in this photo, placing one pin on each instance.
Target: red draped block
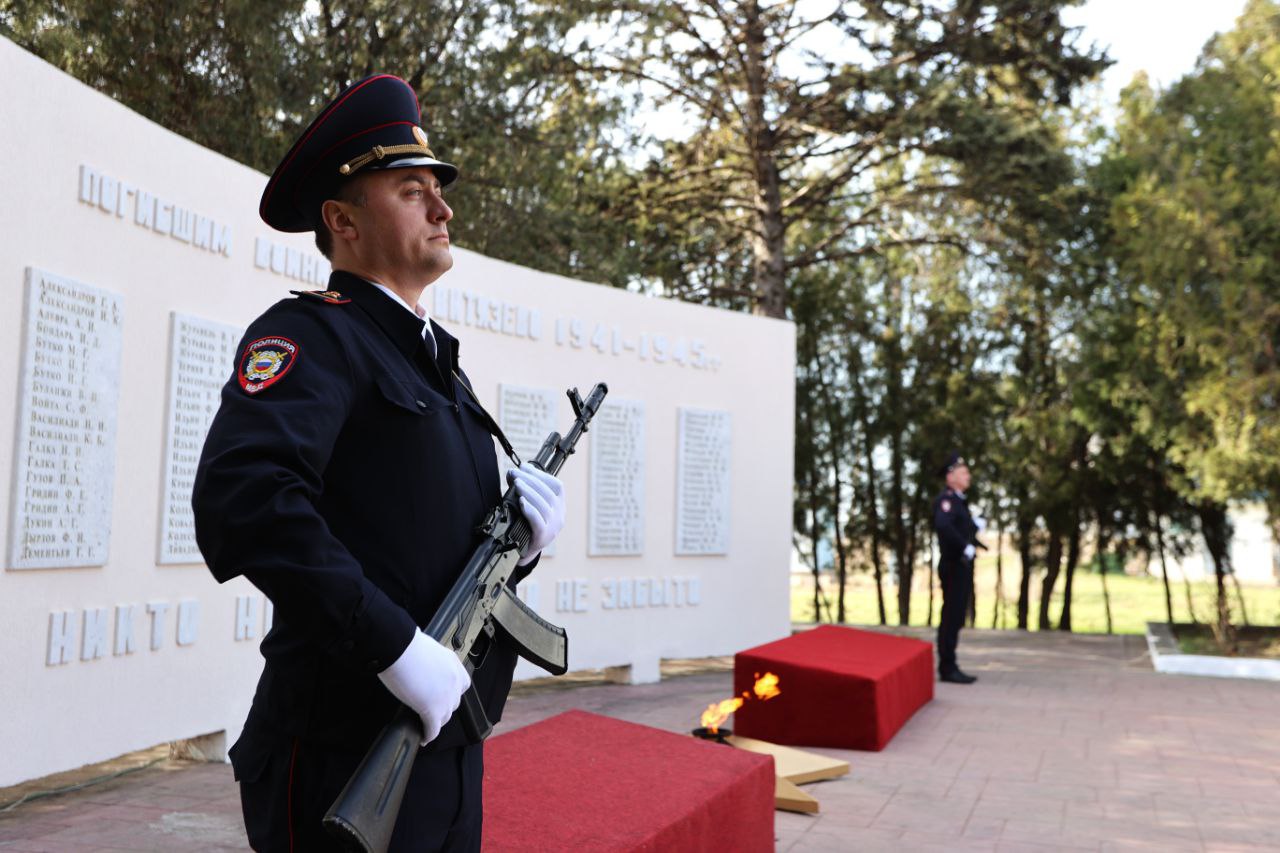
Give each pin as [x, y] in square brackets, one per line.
[583, 782]
[840, 687]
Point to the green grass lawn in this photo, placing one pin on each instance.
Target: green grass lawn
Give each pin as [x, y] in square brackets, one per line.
[1134, 600]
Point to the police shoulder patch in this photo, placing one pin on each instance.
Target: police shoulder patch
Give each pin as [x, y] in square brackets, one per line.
[946, 506]
[329, 297]
[265, 363]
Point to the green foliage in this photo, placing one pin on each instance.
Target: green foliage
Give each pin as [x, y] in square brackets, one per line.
[536, 145]
[1195, 234]
[1090, 314]
[797, 114]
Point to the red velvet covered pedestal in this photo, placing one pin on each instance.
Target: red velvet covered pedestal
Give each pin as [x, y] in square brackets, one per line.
[580, 782]
[840, 687]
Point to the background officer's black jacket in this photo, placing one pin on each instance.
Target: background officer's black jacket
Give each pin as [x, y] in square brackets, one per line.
[953, 524]
[349, 492]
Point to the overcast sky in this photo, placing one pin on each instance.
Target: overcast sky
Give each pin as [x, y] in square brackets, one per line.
[1162, 37]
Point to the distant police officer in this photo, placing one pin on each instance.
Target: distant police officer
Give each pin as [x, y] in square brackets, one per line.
[344, 475]
[957, 530]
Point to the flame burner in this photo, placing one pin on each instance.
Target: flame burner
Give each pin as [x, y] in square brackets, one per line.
[716, 735]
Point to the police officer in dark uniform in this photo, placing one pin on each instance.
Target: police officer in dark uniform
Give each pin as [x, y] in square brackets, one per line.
[957, 530]
[345, 475]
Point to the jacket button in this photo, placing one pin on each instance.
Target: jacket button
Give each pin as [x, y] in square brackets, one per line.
[421, 405]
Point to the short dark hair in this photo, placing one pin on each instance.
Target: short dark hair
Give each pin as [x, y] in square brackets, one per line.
[346, 192]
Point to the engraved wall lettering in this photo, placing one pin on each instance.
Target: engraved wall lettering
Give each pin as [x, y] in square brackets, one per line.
[62, 637]
[202, 356]
[617, 464]
[64, 455]
[93, 639]
[526, 415]
[157, 611]
[126, 615]
[704, 456]
[188, 621]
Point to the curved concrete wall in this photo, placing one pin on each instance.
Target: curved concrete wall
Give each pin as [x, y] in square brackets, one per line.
[131, 259]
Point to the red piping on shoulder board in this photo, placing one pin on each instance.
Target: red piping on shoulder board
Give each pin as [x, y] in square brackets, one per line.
[265, 362]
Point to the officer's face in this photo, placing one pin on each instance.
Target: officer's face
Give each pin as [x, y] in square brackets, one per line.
[958, 478]
[403, 225]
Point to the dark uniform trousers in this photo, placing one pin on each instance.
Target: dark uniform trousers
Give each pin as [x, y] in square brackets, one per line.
[289, 782]
[349, 490]
[956, 530]
[957, 587]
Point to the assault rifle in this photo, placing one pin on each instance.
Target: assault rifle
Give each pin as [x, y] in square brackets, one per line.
[480, 602]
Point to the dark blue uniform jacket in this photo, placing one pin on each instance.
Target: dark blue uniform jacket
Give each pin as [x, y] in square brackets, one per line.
[348, 491]
[954, 525]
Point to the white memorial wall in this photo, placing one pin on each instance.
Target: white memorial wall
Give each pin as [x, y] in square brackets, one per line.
[133, 259]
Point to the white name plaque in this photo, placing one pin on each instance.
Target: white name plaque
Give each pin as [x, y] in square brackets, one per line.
[526, 415]
[202, 355]
[702, 482]
[616, 525]
[65, 444]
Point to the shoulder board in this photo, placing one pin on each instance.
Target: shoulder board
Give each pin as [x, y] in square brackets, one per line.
[332, 297]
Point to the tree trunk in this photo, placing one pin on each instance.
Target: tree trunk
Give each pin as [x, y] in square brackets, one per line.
[1164, 571]
[1068, 584]
[1104, 542]
[1216, 529]
[897, 511]
[1235, 581]
[841, 573]
[768, 238]
[1024, 586]
[1191, 609]
[929, 619]
[1106, 593]
[872, 498]
[1053, 565]
[912, 540]
[997, 614]
[815, 538]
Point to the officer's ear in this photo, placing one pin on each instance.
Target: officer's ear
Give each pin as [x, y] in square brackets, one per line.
[337, 218]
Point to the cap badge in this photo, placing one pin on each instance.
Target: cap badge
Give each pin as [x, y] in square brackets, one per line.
[420, 135]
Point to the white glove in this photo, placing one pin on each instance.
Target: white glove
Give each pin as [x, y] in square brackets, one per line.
[969, 551]
[429, 679]
[542, 502]
[979, 521]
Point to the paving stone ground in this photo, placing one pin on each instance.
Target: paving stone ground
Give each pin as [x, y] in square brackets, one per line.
[1066, 743]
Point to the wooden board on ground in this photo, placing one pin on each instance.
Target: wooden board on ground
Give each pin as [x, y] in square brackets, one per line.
[794, 765]
[789, 798]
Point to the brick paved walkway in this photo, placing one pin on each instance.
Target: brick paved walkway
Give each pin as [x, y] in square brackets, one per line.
[1066, 743]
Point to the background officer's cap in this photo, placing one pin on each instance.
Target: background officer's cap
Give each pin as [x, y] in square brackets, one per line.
[954, 460]
[372, 124]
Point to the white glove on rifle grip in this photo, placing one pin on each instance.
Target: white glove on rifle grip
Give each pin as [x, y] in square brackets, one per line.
[429, 679]
[542, 503]
[969, 551]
